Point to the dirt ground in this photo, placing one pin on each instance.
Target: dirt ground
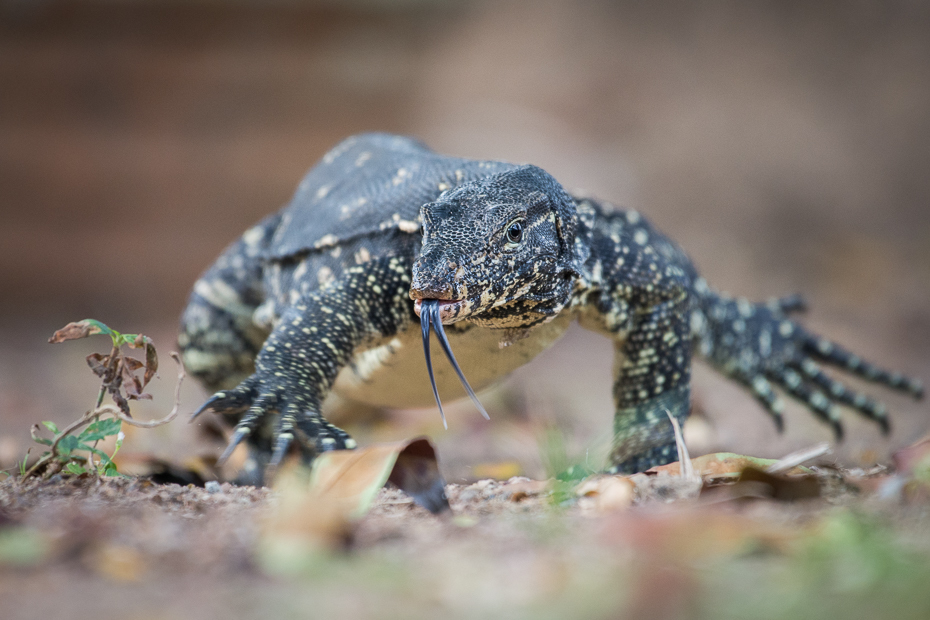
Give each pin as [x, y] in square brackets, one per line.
[784, 146]
[127, 548]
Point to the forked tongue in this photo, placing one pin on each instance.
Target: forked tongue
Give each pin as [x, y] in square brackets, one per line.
[429, 315]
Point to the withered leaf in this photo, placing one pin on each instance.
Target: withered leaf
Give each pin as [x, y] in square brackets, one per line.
[354, 477]
[131, 383]
[98, 363]
[722, 464]
[416, 473]
[132, 363]
[318, 509]
[78, 329]
[151, 357]
[118, 398]
[782, 488]
[906, 460]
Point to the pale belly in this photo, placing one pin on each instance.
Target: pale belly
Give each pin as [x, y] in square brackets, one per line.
[394, 373]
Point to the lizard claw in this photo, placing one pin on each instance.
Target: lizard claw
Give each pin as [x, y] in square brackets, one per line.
[295, 419]
[235, 440]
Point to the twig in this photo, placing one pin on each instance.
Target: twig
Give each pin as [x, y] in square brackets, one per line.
[794, 459]
[82, 421]
[687, 467]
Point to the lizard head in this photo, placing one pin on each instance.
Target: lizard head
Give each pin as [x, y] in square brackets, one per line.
[499, 251]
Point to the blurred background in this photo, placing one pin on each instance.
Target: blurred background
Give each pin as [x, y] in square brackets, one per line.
[786, 146]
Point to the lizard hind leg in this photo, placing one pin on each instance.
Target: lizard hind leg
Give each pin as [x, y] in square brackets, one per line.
[218, 337]
[643, 434]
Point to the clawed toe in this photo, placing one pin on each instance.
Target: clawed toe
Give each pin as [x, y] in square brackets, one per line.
[292, 424]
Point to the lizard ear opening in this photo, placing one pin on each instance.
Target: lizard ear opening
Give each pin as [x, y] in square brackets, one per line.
[566, 225]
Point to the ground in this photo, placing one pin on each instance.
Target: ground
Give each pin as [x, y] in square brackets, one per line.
[129, 548]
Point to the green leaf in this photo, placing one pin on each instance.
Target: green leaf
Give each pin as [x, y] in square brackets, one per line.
[51, 426]
[104, 457]
[109, 469]
[101, 429]
[101, 328]
[67, 445]
[43, 441]
[74, 468]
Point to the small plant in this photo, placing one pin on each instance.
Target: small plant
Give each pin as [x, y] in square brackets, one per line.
[565, 472]
[118, 374]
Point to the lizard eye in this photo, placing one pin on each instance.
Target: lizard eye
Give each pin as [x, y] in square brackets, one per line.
[515, 232]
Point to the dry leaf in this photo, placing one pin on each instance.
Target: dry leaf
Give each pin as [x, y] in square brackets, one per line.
[354, 477]
[723, 464]
[76, 330]
[778, 487]
[909, 458]
[98, 363]
[317, 508]
[151, 357]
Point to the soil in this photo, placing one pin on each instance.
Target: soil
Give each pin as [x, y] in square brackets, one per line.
[127, 547]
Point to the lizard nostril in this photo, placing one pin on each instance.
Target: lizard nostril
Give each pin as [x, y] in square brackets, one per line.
[431, 289]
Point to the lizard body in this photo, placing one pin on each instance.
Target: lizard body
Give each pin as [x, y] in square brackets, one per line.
[324, 297]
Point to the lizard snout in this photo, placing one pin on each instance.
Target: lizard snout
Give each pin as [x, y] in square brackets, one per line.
[430, 284]
[422, 288]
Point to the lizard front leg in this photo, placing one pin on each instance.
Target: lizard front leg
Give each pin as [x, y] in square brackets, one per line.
[313, 339]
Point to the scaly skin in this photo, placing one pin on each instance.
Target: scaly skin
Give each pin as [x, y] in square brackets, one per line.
[382, 223]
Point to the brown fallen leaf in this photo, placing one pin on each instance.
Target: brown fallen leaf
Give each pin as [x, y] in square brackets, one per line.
[778, 487]
[416, 473]
[353, 477]
[317, 509]
[906, 460]
[723, 464]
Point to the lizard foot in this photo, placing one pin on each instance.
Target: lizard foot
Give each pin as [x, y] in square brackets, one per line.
[272, 418]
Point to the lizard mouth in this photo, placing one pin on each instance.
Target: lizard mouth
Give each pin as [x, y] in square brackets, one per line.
[448, 309]
[431, 315]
